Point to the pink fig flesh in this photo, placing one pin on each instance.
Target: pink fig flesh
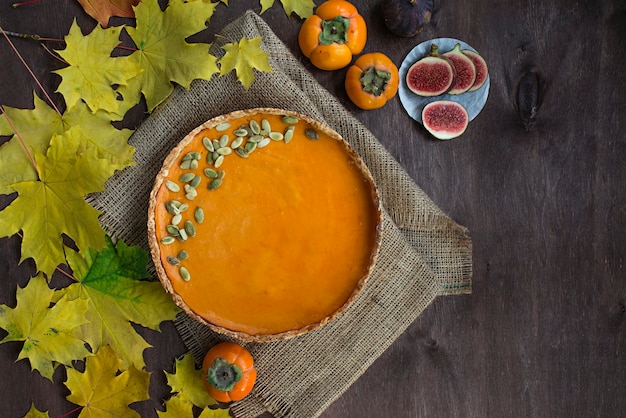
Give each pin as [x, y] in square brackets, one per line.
[445, 119]
[481, 69]
[430, 76]
[465, 70]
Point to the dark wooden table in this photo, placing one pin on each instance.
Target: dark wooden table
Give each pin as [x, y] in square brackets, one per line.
[542, 191]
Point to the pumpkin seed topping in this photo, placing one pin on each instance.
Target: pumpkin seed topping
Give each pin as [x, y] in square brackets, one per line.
[250, 146]
[190, 228]
[242, 152]
[183, 207]
[173, 260]
[167, 240]
[236, 142]
[207, 144]
[176, 219]
[184, 274]
[215, 184]
[223, 141]
[224, 151]
[256, 128]
[182, 235]
[195, 182]
[288, 135]
[172, 208]
[210, 173]
[198, 215]
[171, 186]
[276, 136]
[183, 255]
[311, 134]
[290, 120]
[186, 177]
[185, 165]
[193, 164]
[265, 126]
[263, 143]
[222, 127]
[173, 230]
[218, 161]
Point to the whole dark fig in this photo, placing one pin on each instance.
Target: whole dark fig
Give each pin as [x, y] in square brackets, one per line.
[407, 17]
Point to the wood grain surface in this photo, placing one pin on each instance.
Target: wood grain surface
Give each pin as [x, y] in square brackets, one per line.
[539, 179]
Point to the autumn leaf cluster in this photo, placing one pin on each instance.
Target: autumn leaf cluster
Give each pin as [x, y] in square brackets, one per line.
[53, 159]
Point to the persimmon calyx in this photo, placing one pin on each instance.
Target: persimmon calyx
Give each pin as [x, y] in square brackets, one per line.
[223, 375]
[334, 31]
[374, 81]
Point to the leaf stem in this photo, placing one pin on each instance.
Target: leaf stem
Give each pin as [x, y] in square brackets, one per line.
[67, 414]
[25, 3]
[30, 72]
[66, 274]
[19, 137]
[31, 36]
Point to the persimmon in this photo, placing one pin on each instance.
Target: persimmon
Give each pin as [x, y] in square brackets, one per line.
[372, 81]
[228, 372]
[333, 35]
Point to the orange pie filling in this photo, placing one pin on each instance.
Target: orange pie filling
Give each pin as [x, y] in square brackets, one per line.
[267, 234]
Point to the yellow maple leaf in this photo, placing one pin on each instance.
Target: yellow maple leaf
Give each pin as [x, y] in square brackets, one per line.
[53, 203]
[163, 53]
[303, 8]
[92, 72]
[49, 332]
[33, 412]
[243, 57]
[103, 390]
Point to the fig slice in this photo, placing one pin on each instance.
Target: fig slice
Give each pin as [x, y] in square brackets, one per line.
[481, 68]
[445, 119]
[465, 70]
[431, 76]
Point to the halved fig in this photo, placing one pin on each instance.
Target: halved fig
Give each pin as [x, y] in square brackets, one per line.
[431, 76]
[465, 70]
[445, 119]
[481, 69]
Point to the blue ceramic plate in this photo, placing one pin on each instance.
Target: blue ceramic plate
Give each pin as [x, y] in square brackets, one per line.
[413, 104]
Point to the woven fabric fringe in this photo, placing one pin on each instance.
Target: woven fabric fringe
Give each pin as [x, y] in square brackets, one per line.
[423, 254]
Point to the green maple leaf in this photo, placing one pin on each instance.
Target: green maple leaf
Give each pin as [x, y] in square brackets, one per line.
[303, 8]
[92, 72]
[243, 57]
[106, 388]
[53, 204]
[37, 126]
[162, 52]
[49, 332]
[110, 280]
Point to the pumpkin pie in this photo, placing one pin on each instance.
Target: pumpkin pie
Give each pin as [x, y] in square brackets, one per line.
[264, 224]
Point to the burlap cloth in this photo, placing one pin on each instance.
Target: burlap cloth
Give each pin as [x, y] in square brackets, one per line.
[423, 254]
